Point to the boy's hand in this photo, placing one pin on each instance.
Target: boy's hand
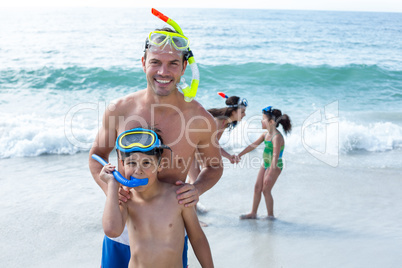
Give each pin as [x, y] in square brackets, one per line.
[106, 173]
[187, 195]
[124, 194]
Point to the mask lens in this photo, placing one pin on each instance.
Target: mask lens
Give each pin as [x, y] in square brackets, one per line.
[140, 139]
[244, 102]
[180, 42]
[158, 38]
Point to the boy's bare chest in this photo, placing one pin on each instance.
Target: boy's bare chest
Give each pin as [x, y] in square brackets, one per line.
[157, 220]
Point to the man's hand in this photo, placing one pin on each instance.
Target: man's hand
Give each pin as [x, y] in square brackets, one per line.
[187, 195]
[124, 194]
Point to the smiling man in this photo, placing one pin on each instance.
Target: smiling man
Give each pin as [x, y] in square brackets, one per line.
[163, 64]
[185, 128]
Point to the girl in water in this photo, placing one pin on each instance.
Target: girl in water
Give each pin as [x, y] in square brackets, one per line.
[225, 118]
[270, 171]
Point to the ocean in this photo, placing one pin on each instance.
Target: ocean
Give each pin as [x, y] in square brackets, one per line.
[338, 75]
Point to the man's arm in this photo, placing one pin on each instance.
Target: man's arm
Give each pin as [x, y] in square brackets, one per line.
[197, 237]
[212, 169]
[210, 154]
[102, 146]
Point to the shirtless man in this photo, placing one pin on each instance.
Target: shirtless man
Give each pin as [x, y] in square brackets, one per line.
[185, 127]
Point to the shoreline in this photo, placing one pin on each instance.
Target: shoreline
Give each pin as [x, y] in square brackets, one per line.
[334, 216]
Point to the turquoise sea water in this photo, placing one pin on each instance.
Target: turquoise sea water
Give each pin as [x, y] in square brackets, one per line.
[338, 75]
[299, 61]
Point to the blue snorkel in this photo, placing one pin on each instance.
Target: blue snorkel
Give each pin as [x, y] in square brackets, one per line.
[133, 182]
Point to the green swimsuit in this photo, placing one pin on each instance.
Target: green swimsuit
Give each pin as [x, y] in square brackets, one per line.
[267, 154]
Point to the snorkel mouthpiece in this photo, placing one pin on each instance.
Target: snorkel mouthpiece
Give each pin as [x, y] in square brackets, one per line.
[189, 92]
[133, 182]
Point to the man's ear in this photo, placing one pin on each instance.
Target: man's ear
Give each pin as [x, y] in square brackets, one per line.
[143, 64]
[184, 67]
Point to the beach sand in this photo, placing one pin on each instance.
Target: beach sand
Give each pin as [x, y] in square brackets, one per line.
[51, 213]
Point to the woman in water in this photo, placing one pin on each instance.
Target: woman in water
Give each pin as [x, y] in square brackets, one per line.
[272, 168]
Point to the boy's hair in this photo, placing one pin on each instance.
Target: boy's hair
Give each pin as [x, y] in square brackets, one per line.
[157, 151]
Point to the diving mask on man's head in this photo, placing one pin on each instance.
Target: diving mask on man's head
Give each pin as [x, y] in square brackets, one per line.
[162, 38]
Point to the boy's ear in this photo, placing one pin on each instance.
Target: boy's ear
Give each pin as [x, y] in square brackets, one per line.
[159, 167]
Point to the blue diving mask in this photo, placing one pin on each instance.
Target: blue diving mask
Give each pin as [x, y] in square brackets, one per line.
[139, 140]
[267, 110]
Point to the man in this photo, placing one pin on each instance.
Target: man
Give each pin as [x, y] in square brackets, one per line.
[185, 128]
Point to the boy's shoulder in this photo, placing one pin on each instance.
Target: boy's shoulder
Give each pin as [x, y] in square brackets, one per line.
[169, 187]
[170, 191]
[168, 197]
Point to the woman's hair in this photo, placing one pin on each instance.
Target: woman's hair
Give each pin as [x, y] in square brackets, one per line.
[280, 118]
[224, 113]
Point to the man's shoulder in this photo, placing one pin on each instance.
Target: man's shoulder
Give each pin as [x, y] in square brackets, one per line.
[130, 98]
[194, 108]
[117, 106]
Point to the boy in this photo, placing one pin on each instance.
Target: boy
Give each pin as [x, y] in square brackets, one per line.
[155, 221]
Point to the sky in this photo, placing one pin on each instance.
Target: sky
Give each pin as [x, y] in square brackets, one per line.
[341, 5]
